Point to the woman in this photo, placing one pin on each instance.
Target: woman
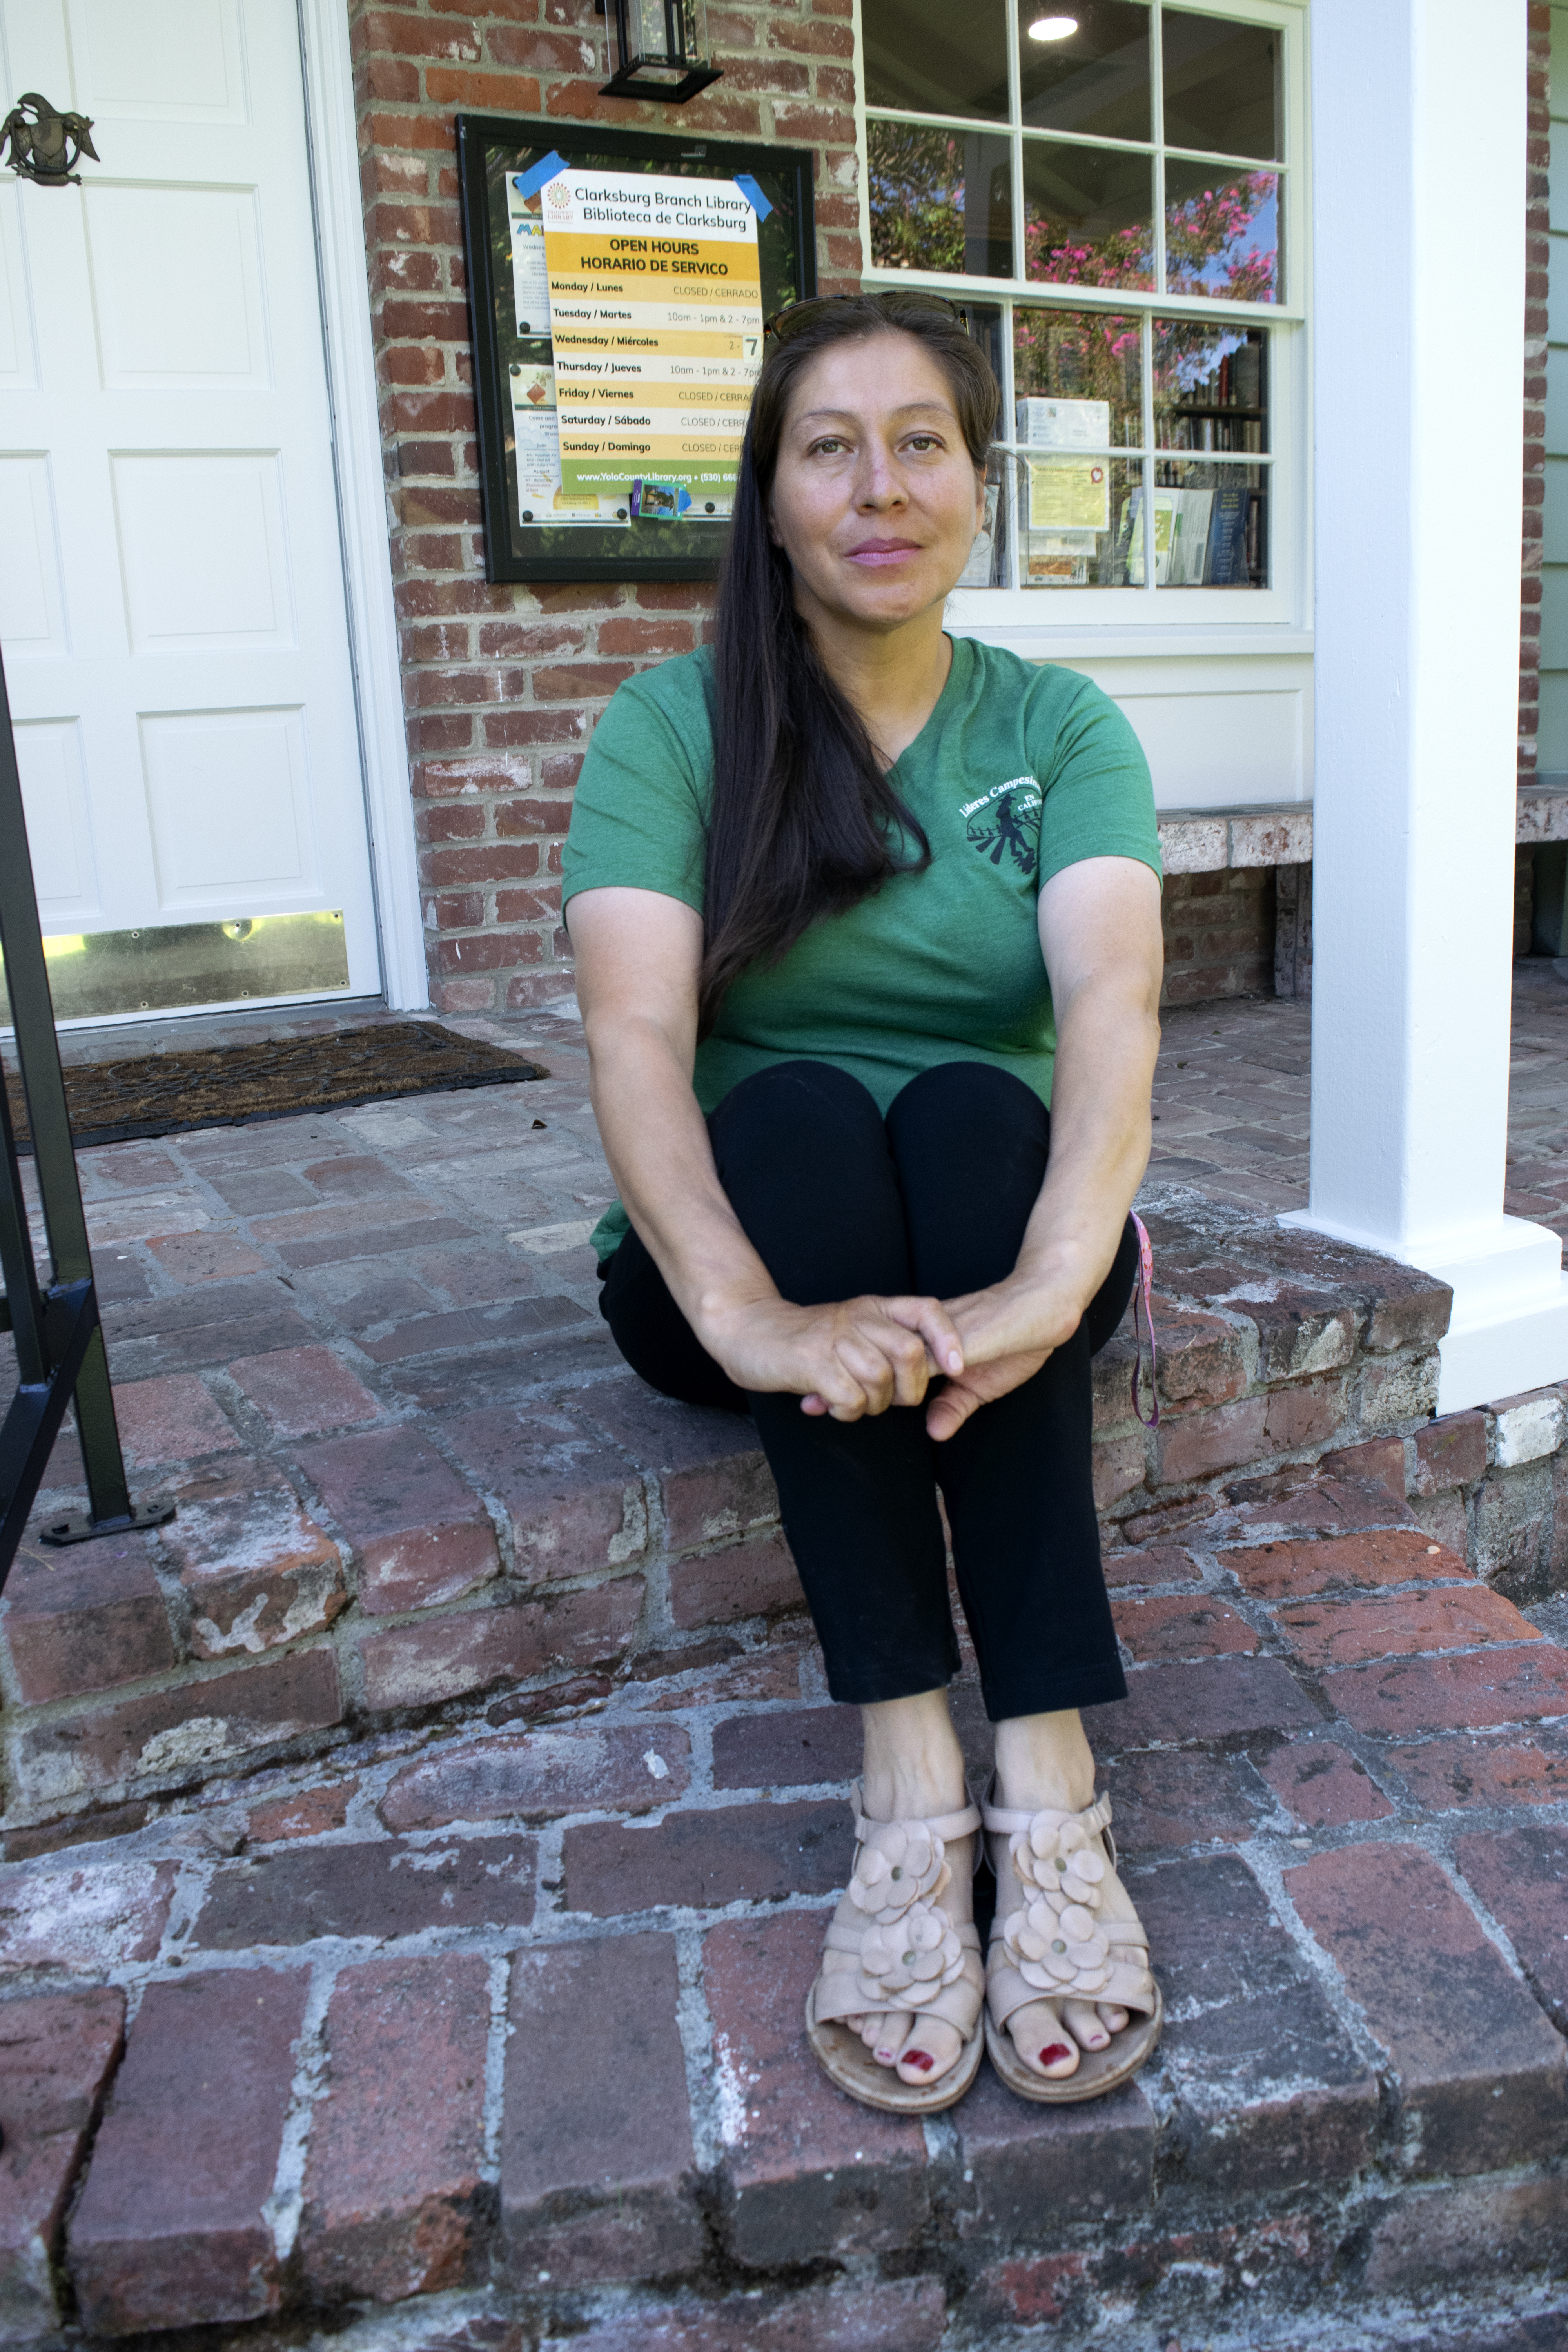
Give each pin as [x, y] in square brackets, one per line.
[815, 883]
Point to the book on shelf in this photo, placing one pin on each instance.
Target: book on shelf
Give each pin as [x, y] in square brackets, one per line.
[1130, 536]
[1227, 566]
[1181, 537]
[1190, 547]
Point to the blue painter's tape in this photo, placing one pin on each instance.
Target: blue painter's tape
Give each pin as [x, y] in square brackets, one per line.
[529, 182]
[752, 195]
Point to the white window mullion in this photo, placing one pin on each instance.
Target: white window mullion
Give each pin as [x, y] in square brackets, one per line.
[1015, 143]
[1157, 125]
[862, 141]
[1060, 294]
[1147, 371]
[1010, 484]
[1011, 504]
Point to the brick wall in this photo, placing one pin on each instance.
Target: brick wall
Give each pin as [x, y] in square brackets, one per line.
[1537, 260]
[501, 686]
[1219, 934]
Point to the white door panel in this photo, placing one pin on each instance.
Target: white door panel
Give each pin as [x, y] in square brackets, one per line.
[167, 503]
[37, 49]
[18, 347]
[176, 288]
[160, 60]
[260, 831]
[32, 599]
[59, 834]
[172, 604]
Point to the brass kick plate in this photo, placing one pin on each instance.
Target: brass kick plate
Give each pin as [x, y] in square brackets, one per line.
[171, 965]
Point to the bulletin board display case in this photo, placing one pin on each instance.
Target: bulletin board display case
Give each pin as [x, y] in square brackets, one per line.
[618, 283]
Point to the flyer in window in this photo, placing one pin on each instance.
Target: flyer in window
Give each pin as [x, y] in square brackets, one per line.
[1069, 493]
[1065, 423]
[1167, 506]
[655, 324]
[530, 278]
[534, 428]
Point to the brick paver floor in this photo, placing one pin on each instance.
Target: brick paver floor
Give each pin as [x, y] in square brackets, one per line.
[504, 2011]
[1232, 1100]
[520, 2002]
[1232, 1103]
[404, 1227]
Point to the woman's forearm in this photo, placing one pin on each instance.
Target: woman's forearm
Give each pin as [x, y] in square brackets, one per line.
[1099, 935]
[637, 959]
[1108, 1038]
[1101, 938]
[655, 1139]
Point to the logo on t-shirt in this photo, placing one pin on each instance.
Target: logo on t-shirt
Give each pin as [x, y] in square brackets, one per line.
[1005, 823]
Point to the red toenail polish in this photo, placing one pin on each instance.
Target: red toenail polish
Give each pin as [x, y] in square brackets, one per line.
[1054, 2054]
[918, 2058]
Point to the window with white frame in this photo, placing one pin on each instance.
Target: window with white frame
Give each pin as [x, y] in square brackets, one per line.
[1111, 183]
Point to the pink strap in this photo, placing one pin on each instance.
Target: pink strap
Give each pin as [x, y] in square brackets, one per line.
[1143, 1313]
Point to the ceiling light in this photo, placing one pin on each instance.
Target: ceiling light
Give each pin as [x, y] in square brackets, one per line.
[1053, 28]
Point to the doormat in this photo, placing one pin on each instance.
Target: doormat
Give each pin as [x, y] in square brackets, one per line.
[233, 1085]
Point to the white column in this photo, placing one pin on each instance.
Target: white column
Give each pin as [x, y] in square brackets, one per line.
[1418, 110]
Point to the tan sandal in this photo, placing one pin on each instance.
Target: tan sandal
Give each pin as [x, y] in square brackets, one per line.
[1061, 1914]
[908, 1954]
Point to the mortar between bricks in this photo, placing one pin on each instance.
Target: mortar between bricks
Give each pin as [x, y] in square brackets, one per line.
[1218, 1663]
[1313, 2140]
[621, 1525]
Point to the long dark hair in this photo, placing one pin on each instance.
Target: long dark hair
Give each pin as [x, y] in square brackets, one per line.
[804, 821]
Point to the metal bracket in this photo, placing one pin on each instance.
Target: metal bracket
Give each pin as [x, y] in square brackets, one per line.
[636, 80]
[76, 1526]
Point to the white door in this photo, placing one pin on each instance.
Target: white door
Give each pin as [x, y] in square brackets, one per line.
[172, 606]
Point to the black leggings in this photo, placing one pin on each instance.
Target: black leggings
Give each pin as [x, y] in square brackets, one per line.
[838, 1201]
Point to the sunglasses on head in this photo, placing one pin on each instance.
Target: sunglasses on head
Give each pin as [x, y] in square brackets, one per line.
[785, 323]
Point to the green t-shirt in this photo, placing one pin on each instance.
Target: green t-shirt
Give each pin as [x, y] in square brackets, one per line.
[1021, 769]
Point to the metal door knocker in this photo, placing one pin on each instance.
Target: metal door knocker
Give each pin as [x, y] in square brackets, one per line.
[44, 148]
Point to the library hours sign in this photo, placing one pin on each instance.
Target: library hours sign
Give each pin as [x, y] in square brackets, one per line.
[618, 291]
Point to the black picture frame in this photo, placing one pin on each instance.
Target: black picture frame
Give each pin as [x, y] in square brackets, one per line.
[488, 146]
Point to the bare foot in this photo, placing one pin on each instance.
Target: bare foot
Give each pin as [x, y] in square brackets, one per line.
[1044, 1761]
[918, 2048]
[914, 1772]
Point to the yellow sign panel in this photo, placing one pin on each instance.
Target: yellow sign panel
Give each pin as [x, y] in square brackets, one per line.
[703, 260]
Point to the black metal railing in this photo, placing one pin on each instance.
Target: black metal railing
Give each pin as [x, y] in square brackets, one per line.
[59, 1344]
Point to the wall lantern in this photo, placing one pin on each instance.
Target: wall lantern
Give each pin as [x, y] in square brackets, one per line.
[661, 49]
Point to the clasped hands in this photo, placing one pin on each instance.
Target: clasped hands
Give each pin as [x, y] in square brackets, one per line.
[862, 1355]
